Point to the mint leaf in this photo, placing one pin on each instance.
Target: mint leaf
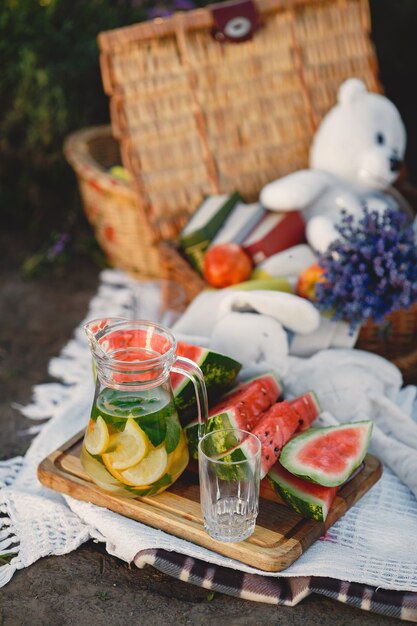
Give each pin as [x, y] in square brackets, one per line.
[173, 433]
[154, 426]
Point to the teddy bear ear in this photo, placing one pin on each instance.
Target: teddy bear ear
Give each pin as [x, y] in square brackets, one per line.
[351, 90]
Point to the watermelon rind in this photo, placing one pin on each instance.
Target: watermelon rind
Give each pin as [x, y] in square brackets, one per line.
[219, 371]
[328, 455]
[238, 462]
[225, 419]
[310, 500]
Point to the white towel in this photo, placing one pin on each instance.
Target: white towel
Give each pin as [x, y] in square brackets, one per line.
[294, 313]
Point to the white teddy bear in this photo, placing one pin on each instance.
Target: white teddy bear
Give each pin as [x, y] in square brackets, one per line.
[355, 157]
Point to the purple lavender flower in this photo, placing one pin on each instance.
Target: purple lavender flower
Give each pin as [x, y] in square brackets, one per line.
[58, 246]
[183, 5]
[370, 270]
[164, 9]
[159, 11]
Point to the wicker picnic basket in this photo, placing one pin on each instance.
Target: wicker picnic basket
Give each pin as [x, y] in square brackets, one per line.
[196, 114]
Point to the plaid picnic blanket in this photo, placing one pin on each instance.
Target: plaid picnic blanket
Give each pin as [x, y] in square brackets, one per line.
[280, 591]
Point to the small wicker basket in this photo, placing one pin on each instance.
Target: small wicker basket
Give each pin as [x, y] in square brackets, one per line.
[111, 204]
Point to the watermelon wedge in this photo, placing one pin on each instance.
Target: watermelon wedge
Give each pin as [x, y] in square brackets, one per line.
[274, 429]
[225, 419]
[309, 499]
[240, 408]
[250, 398]
[308, 408]
[219, 372]
[329, 455]
[277, 426]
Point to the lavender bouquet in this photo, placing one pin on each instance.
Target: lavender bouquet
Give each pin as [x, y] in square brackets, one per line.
[371, 270]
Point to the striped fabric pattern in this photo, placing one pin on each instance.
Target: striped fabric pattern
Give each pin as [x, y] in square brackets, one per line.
[281, 591]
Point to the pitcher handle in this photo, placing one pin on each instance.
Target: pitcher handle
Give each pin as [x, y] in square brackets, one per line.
[191, 370]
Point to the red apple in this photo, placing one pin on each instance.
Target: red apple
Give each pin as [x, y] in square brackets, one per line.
[226, 264]
[306, 283]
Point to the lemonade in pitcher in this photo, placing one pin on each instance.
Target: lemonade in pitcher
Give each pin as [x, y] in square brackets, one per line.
[134, 444]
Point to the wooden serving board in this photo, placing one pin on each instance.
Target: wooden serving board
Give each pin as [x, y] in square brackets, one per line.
[281, 535]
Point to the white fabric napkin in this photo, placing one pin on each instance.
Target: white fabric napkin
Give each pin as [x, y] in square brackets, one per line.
[374, 543]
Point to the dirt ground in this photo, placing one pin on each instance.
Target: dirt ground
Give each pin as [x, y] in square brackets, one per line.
[88, 586]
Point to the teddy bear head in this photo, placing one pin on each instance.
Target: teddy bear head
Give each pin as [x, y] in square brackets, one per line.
[361, 140]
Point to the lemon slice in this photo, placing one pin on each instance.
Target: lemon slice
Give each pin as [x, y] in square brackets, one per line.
[97, 436]
[99, 474]
[178, 459]
[126, 448]
[150, 469]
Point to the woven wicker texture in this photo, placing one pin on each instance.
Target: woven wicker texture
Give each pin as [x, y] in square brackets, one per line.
[110, 204]
[195, 116]
[395, 339]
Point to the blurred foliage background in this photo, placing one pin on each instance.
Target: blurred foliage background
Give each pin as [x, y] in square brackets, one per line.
[50, 85]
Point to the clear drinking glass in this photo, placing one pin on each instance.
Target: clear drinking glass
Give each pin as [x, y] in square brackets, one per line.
[229, 469]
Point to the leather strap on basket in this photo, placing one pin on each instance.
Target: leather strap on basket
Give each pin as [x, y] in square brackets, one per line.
[234, 21]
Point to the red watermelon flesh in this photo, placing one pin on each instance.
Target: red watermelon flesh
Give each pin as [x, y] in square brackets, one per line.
[274, 429]
[250, 399]
[190, 352]
[308, 408]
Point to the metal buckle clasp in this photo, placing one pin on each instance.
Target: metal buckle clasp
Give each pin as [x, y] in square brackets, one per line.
[235, 21]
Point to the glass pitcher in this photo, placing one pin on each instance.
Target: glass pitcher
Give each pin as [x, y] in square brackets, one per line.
[134, 444]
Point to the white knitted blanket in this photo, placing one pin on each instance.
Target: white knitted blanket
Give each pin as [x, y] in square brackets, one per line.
[374, 543]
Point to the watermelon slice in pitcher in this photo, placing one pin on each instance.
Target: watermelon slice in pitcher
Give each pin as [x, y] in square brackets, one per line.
[219, 373]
